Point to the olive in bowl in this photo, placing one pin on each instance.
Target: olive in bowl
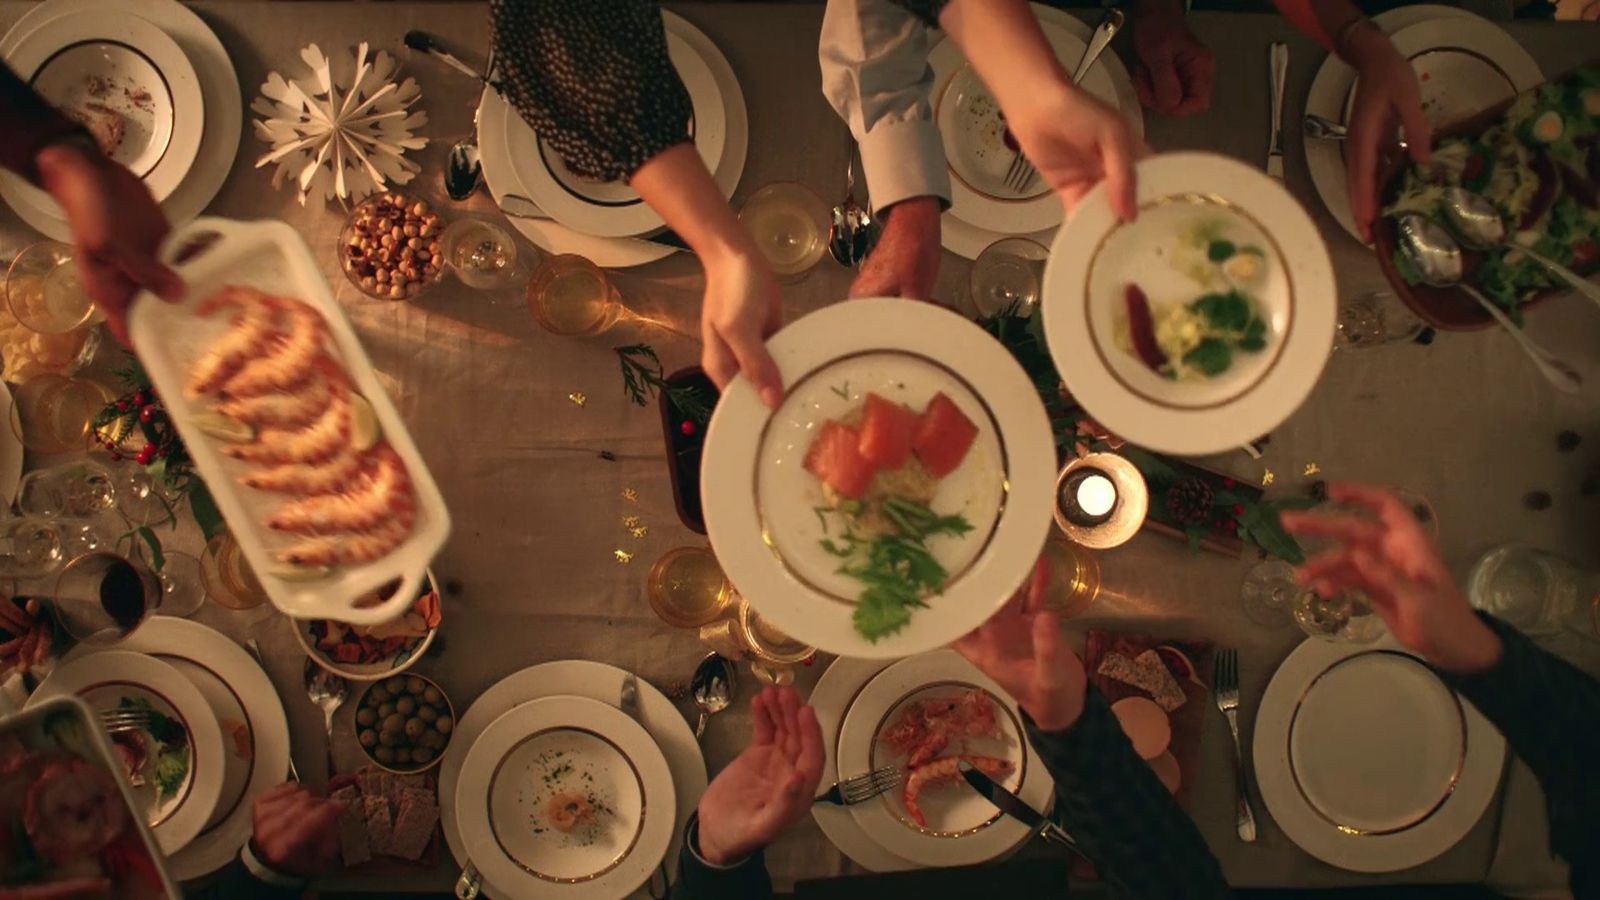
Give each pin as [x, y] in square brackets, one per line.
[403, 723]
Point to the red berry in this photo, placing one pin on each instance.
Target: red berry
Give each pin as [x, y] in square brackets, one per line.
[146, 414]
[122, 406]
[115, 456]
[1228, 482]
[1238, 510]
[108, 445]
[687, 428]
[140, 399]
[146, 454]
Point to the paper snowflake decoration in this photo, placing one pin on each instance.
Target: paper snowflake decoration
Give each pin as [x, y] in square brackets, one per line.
[342, 129]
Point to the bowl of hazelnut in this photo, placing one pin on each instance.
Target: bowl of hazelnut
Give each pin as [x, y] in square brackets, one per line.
[389, 248]
[403, 723]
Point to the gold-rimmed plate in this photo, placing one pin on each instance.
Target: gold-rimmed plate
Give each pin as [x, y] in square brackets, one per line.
[760, 503]
[1190, 205]
[1368, 761]
[566, 796]
[960, 826]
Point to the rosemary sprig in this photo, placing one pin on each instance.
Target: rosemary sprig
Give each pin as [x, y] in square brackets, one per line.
[642, 377]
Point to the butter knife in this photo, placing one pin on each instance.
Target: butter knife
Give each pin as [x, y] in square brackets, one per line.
[628, 702]
[1280, 73]
[1015, 807]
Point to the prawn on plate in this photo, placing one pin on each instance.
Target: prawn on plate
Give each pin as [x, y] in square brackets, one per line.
[289, 410]
[568, 811]
[254, 321]
[925, 727]
[350, 549]
[331, 476]
[317, 442]
[290, 356]
[383, 491]
[945, 771]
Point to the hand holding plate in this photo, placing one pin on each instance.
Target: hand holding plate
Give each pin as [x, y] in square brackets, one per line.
[1023, 650]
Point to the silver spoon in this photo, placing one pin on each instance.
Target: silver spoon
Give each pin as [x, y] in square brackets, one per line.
[463, 171]
[1110, 24]
[327, 690]
[1437, 259]
[712, 687]
[842, 235]
[1477, 222]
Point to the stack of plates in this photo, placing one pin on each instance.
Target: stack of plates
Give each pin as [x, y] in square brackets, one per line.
[983, 210]
[554, 731]
[1368, 761]
[237, 736]
[606, 222]
[1464, 64]
[856, 702]
[162, 77]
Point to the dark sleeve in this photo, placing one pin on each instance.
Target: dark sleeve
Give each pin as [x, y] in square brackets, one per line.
[926, 10]
[593, 78]
[236, 883]
[27, 125]
[1142, 843]
[699, 880]
[1549, 712]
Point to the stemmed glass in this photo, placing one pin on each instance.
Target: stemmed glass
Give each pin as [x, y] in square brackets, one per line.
[30, 547]
[76, 490]
[1007, 274]
[101, 597]
[572, 297]
[1270, 595]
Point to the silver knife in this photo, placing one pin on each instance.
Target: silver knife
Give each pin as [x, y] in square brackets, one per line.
[1013, 806]
[255, 650]
[628, 702]
[1280, 73]
[519, 207]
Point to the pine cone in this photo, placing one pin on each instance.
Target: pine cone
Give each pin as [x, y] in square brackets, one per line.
[1189, 501]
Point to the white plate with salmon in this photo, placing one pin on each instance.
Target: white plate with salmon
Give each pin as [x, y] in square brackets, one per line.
[900, 492]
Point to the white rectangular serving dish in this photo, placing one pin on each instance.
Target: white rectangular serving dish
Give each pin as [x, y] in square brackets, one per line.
[272, 257]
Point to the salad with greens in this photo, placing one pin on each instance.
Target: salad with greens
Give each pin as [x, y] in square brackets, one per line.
[158, 755]
[1540, 165]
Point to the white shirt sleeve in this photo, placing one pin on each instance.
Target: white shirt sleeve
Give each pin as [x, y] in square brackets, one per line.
[875, 73]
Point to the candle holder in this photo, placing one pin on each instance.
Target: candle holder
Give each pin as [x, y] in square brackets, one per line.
[1101, 500]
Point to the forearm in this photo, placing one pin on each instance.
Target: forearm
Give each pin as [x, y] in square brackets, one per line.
[1549, 712]
[678, 187]
[1005, 46]
[29, 125]
[1322, 20]
[1127, 824]
[700, 880]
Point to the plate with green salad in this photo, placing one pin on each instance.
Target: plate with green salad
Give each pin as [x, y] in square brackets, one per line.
[173, 759]
[1537, 159]
[897, 496]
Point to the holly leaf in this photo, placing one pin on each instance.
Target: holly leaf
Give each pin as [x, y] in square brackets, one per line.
[1151, 466]
[204, 509]
[158, 560]
[1226, 498]
[1268, 534]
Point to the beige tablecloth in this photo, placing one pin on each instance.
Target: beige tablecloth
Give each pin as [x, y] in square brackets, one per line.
[538, 512]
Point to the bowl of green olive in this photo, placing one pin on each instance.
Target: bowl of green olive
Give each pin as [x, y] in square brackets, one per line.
[403, 723]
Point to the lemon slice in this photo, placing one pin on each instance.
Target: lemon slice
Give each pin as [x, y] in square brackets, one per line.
[364, 428]
[301, 573]
[223, 427]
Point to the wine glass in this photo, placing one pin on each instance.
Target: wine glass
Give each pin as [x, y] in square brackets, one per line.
[1007, 274]
[482, 254]
[30, 547]
[55, 413]
[687, 587]
[1269, 592]
[1347, 616]
[44, 292]
[142, 498]
[183, 589]
[572, 297]
[790, 225]
[226, 575]
[78, 490]
[1374, 318]
[101, 597]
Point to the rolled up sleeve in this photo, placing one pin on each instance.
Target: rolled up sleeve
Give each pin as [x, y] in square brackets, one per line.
[875, 73]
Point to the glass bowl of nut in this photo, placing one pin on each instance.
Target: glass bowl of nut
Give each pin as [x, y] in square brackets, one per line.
[389, 248]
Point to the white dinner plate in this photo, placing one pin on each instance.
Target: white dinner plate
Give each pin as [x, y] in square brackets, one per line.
[832, 696]
[553, 237]
[102, 680]
[962, 827]
[11, 448]
[613, 209]
[1095, 253]
[516, 776]
[1333, 88]
[769, 540]
[581, 678]
[1368, 761]
[968, 240]
[255, 734]
[221, 124]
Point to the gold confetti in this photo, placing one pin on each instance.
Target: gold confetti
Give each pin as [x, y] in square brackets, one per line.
[1266, 478]
[623, 556]
[630, 521]
[578, 398]
[1313, 469]
[630, 495]
[639, 531]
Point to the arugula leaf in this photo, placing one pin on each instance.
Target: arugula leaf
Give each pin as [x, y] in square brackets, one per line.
[879, 614]
[1211, 356]
[895, 569]
[171, 768]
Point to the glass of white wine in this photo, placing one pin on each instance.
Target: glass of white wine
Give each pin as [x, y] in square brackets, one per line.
[790, 225]
[44, 292]
[483, 255]
[570, 296]
[1007, 274]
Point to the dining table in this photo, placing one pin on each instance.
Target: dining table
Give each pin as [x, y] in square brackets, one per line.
[541, 456]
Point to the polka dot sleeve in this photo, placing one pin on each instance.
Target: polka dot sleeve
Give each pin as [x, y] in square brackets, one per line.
[593, 78]
[926, 10]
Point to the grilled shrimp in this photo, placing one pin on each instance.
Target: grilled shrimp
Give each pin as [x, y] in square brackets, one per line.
[253, 323]
[330, 476]
[945, 771]
[316, 442]
[289, 410]
[351, 549]
[380, 492]
[289, 359]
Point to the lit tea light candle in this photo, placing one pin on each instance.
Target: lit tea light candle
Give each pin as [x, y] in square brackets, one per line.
[1101, 500]
[1088, 497]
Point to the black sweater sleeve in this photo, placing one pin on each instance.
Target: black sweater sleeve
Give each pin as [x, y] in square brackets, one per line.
[1549, 712]
[699, 880]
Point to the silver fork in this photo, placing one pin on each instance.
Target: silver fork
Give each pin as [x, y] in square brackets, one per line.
[1225, 685]
[1021, 173]
[863, 787]
[125, 719]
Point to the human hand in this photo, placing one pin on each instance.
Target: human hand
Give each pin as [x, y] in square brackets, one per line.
[1175, 71]
[1395, 563]
[905, 261]
[296, 831]
[1022, 648]
[740, 312]
[1386, 94]
[1075, 140]
[769, 786]
[116, 226]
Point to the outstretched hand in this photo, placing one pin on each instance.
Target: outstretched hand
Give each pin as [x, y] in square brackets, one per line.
[1022, 648]
[769, 786]
[1395, 563]
[1074, 139]
[1386, 96]
[296, 831]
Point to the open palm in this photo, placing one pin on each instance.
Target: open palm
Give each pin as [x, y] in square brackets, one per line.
[1022, 648]
[769, 786]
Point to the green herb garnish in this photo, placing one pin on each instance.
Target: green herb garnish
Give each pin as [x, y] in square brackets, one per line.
[895, 569]
[1211, 356]
[1220, 251]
